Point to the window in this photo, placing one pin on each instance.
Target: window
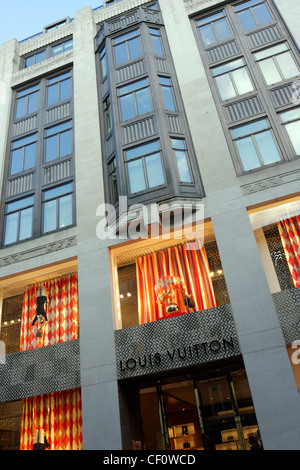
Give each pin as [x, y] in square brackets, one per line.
[23, 154]
[59, 88]
[58, 207]
[27, 101]
[166, 87]
[135, 99]
[54, 26]
[252, 14]
[144, 167]
[180, 151]
[107, 115]
[127, 47]
[156, 41]
[214, 28]
[255, 145]
[277, 63]
[112, 181]
[103, 63]
[232, 79]
[291, 120]
[18, 220]
[62, 47]
[58, 141]
[34, 58]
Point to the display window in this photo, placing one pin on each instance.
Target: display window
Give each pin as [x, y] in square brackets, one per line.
[41, 313]
[167, 279]
[277, 231]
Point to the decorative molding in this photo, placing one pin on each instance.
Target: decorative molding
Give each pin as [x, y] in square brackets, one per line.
[39, 251]
[269, 183]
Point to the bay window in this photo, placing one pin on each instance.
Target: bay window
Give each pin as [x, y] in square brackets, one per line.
[127, 47]
[135, 99]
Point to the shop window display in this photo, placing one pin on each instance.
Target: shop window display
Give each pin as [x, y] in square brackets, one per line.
[174, 281]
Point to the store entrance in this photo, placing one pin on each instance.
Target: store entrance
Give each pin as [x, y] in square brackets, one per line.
[215, 413]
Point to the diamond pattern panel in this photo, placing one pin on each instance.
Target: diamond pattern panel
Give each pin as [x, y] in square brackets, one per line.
[177, 342]
[40, 371]
[287, 303]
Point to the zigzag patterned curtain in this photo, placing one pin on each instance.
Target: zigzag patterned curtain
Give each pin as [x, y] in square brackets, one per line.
[187, 262]
[289, 230]
[61, 310]
[56, 417]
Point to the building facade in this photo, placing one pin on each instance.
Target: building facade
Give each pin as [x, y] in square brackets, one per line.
[150, 228]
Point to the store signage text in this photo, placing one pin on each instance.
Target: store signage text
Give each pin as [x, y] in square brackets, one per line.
[173, 356]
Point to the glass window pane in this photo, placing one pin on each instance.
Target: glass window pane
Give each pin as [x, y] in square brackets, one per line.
[57, 49]
[222, 28]
[289, 115]
[65, 211]
[25, 224]
[270, 51]
[267, 147]
[143, 101]
[135, 49]
[39, 57]
[26, 140]
[210, 18]
[29, 61]
[21, 107]
[50, 216]
[142, 150]
[136, 176]
[65, 145]
[242, 81]
[208, 34]
[57, 191]
[262, 13]
[33, 102]
[287, 65]
[68, 45]
[242, 5]
[51, 148]
[293, 130]
[29, 157]
[28, 90]
[16, 161]
[157, 45]
[248, 154]
[250, 128]
[183, 168]
[270, 71]
[11, 228]
[247, 20]
[52, 95]
[19, 204]
[121, 53]
[57, 129]
[125, 37]
[127, 107]
[168, 98]
[133, 86]
[226, 87]
[227, 67]
[58, 78]
[154, 170]
[65, 90]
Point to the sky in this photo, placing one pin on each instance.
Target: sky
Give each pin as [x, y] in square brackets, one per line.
[20, 19]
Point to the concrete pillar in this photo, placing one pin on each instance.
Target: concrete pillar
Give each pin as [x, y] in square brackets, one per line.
[101, 421]
[272, 383]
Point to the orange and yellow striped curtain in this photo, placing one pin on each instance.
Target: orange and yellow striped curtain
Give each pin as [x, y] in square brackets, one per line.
[289, 230]
[62, 313]
[189, 262]
[58, 415]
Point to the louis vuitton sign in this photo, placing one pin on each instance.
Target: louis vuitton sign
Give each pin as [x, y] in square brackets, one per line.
[178, 342]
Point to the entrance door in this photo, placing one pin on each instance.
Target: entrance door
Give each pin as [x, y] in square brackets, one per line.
[211, 414]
